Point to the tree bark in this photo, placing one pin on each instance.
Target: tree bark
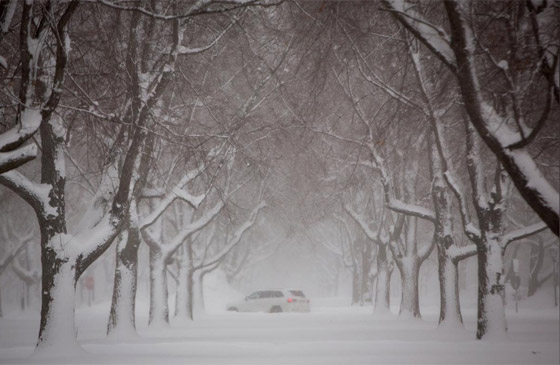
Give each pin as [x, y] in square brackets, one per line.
[383, 286]
[450, 309]
[198, 308]
[535, 266]
[57, 330]
[355, 288]
[409, 270]
[183, 299]
[491, 292]
[123, 304]
[159, 307]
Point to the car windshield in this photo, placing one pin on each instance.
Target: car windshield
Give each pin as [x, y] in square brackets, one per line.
[297, 293]
[255, 295]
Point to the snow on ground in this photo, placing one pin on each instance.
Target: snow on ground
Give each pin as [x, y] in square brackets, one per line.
[333, 333]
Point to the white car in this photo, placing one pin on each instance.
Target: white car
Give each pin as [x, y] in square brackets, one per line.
[272, 301]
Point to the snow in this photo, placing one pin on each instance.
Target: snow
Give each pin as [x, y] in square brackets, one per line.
[21, 153]
[434, 35]
[30, 121]
[59, 334]
[159, 308]
[412, 209]
[537, 181]
[523, 232]
[494, 315]
[67, 44]
[332, 333]
[503, 64]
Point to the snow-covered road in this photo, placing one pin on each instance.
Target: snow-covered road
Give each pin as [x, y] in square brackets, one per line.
[329, 334]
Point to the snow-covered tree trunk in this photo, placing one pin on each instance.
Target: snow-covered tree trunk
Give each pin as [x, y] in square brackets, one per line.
[198, 307]
[58, 269]
[123, 305]
[409, 256]
[183, 299]
[491, 322]
[159, 306]
[57, 330]
[409, 269]
[450, 310]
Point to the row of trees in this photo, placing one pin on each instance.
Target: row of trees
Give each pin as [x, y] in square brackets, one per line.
[440, 112]
[138, 140]
[165, 122]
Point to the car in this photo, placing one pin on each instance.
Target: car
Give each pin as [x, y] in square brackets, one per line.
[272, 301]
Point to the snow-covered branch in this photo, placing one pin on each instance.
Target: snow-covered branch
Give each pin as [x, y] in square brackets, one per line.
[201, 7]
[459, 253]
[13, 159]
[360, 220]
[35, 194]
[433, 36]
[177, 192]
[238, 234]
[495, 129]
[191, 228]
[182, 50]
[413, 210]
[524, 232]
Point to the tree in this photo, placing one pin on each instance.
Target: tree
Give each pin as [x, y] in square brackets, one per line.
[66, 256]
[24, 111]
[124, 290]
[211, 257]
[536, 260]
[489, 236]
[383, 235]
[13, 252]
[506, 132]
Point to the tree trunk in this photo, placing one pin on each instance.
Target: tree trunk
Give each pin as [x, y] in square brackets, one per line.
[383, 291]
[410, 306]
[355, 288]
[491, 292]
[159, 308]
[450, 309]
[183, 304]
[535, 265]
[57, 330]
[198, 294]
[365, 291]
[383, 287]
[123, 304]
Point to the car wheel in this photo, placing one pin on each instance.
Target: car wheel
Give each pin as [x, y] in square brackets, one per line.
[275, 309]
[233, 309]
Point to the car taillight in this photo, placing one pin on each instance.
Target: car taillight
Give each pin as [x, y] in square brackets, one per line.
[290, 300]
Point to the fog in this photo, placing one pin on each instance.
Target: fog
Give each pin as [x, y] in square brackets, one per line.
[279, 181]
